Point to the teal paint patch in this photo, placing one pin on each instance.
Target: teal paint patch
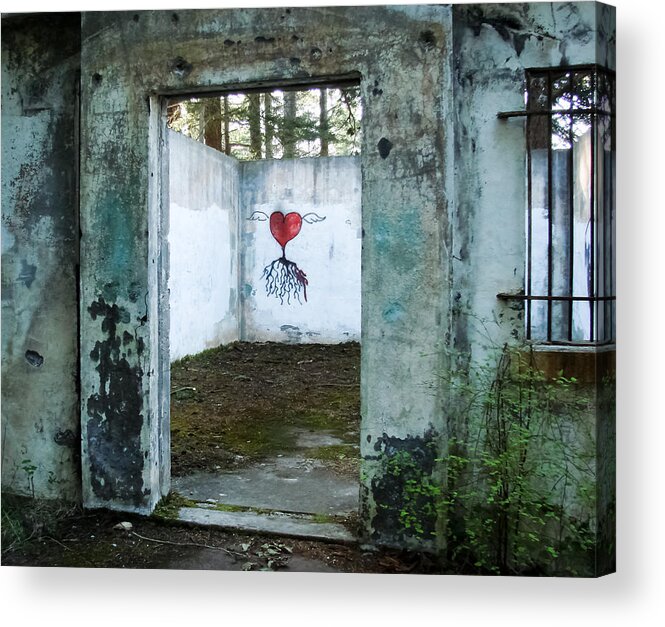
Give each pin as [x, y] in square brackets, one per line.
[399, 239]
[247, 290]
[119, 216]
[394, 312]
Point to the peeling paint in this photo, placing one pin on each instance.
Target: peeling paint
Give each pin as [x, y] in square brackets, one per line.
[27, 274]
[113, 432]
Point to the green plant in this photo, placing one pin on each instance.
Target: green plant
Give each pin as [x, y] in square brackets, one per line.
[519, 495]
[25, 518]
[417, 493]
[518, 487]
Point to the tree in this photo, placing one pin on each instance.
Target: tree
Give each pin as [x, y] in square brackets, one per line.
[288, 125]
[212, 118]
[313, 122]
[269, 124]
[254, 115]
[323, 120]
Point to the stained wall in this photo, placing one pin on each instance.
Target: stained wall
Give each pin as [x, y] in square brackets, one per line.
[443, 201]
[493, 46]
[405, 214]
[40, 397]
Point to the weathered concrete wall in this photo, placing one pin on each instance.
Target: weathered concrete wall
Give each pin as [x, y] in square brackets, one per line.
[204, 187]
[493, 45]
[328, 251]
[402, 56]
[40, 423]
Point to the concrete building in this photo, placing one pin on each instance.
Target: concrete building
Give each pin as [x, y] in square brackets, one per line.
[451, 250]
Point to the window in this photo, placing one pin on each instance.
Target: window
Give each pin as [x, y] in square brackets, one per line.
[570, 226]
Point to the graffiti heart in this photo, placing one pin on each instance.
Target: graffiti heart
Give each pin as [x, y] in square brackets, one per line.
[285, 227]
[284, 279]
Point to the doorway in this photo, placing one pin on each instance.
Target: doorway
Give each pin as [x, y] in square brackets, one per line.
[263, 190]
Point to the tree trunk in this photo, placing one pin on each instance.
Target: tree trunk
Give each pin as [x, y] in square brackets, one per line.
[254, 125]
[288, 125]
[212, 131]
[227, 134]
[269, 124]
[323, 121]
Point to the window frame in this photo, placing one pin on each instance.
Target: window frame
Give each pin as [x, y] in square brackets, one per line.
[602, 103]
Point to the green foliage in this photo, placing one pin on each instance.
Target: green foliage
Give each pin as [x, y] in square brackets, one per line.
[29, 469]
[520, 486]
[418, 493]
[169, 506]
[518, 494]
[27, 518]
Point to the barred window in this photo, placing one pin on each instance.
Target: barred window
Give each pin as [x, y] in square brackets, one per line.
[570, 226]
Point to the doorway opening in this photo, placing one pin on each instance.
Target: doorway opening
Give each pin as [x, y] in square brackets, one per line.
[264, 283]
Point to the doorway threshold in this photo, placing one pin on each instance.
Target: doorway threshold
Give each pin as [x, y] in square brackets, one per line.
[288, 524]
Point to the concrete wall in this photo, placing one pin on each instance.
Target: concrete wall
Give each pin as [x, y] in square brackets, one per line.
[211, 197]
[40, 423]
[493, 45]
[203, 268]
[327, 251]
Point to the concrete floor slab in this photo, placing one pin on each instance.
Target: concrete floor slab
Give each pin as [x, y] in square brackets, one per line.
[291, 484]
[278, 523]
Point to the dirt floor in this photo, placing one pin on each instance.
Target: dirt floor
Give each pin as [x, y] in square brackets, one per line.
[91, 540]
[237, 404]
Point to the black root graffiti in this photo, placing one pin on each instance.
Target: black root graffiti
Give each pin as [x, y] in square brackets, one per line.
[285, 280]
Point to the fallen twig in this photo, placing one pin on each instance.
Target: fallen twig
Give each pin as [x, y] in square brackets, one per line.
[203, 546]
[337, 385]
[57, 542]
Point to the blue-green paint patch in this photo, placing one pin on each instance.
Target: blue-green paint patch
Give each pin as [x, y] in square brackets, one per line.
[399, 238]
[394, 312]
[247, 290]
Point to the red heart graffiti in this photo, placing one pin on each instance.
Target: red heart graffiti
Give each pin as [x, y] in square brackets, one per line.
[285, 227]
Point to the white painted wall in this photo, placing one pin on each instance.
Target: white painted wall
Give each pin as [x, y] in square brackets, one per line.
[209, 193]
[327, 251]
[203, 280]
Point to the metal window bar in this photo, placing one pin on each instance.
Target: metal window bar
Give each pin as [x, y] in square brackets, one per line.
[571, 221]
[549, 210]
[592, 217]
[529, 225]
